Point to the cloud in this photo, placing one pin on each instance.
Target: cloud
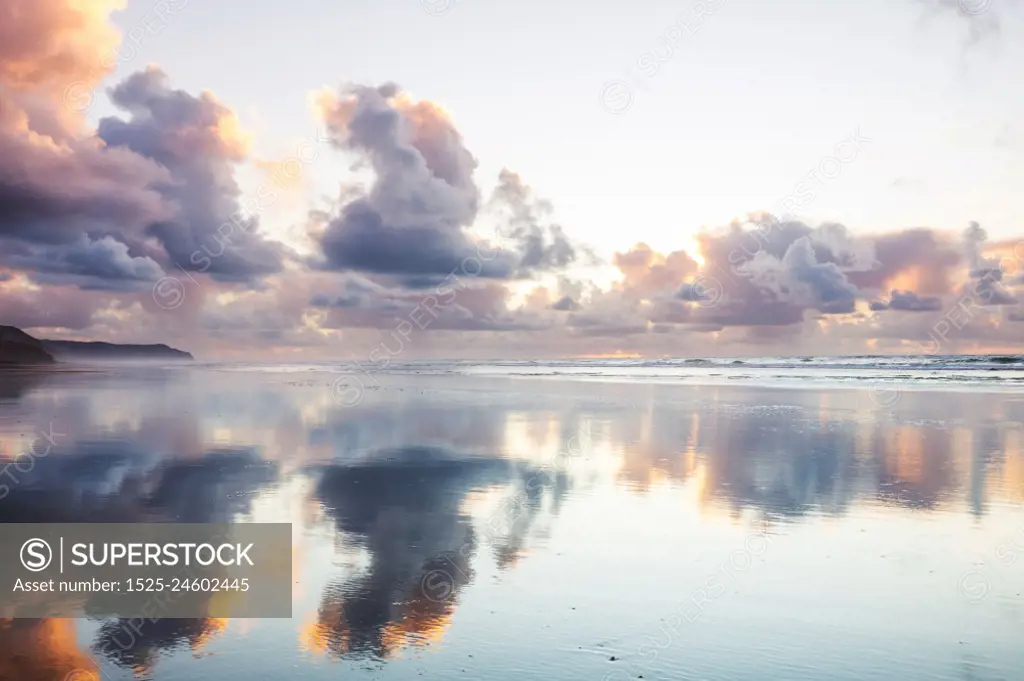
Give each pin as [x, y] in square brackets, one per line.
[646, 273]
[56, 185]
[985, 273]
[597, 325]
[540, 245]
[411, 222]
[362, 303]
[103, 208]
[66, 308]
[693, 292]
[908, 301]
[57, 180]
[53, 43]
[90, 218]
[798, 278]
[103, 263]
[565, 304]
[197, 139]
[414, 221]
[930, 258]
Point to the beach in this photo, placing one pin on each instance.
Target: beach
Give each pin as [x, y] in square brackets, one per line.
[751, 519]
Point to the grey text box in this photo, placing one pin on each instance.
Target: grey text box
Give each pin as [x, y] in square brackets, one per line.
[154, 571]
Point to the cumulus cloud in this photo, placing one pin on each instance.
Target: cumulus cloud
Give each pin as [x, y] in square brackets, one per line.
[932, 259]
[985, 274]
[54, 43]
[112, 207]
[414, 221]
[798, 278]
[525, 229]
[197, 139]
[58, 181]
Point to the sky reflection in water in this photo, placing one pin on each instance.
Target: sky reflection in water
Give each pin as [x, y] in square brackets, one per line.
[498, 528]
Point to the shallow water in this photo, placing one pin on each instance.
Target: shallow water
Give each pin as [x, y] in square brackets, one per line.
[452, 525]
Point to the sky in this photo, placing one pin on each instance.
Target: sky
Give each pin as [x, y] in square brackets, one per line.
[324, 179]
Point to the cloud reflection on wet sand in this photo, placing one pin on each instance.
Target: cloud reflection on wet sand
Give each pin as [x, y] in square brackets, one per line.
[429, 482]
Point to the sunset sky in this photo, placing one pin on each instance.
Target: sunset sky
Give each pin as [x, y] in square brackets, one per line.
[321, 179]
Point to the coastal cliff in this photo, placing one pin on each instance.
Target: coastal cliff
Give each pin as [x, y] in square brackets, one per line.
[17, 348]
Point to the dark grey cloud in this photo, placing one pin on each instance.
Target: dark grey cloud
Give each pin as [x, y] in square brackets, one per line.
[103, 264]
[908, 301]
[411, 222]
[693, 292]
[191, 137]
[64, 195]
[565, 304]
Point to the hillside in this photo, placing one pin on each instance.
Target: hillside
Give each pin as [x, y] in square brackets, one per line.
[17, 347]
[75, 350]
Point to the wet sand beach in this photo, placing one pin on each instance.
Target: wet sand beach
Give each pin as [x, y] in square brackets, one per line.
[452, 525]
